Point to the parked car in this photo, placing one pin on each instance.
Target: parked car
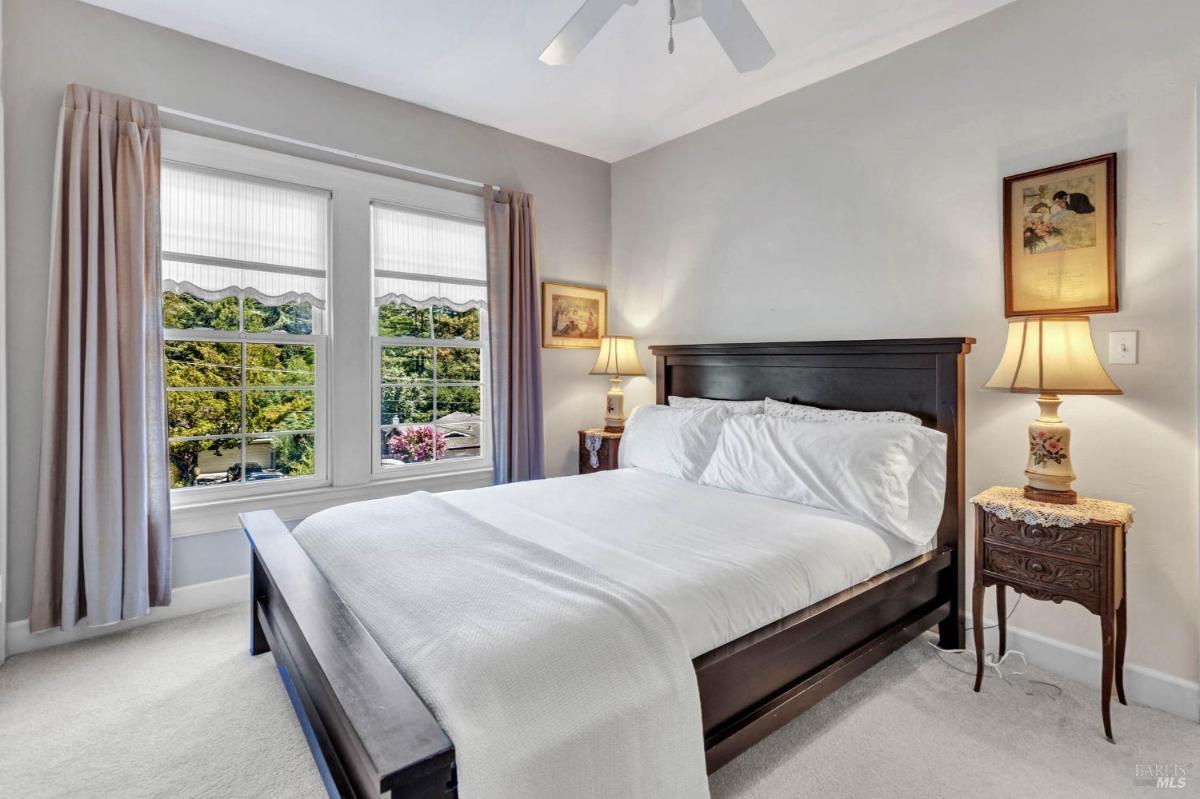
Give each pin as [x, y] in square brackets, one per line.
[254, 471]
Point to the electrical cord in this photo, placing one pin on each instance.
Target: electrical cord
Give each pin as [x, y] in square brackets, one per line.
[994, 663]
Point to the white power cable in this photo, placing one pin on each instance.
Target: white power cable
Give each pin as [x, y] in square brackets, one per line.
[992, 662]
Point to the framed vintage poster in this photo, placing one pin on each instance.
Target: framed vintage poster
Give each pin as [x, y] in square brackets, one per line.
[573, 316]
[1060, 237]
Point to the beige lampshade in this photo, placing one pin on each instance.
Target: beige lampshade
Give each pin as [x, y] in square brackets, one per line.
[618, 356]
[1051, 355]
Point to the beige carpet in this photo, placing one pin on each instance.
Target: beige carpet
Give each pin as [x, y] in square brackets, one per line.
[178, 709]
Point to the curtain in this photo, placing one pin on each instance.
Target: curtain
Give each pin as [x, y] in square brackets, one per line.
[515, 328]
[103, 546]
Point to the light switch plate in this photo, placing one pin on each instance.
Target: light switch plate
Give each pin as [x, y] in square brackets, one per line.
[1122, 346]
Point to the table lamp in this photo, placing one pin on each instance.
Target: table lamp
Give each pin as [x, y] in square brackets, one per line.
[618, 358]
[1049, 356]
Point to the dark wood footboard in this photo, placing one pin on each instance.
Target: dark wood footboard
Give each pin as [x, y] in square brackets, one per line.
[368, 730]
[371, 734]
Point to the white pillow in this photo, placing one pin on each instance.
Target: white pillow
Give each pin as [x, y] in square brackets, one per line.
[892, 476]
[674, 441]
[807, 413]
[731, 407]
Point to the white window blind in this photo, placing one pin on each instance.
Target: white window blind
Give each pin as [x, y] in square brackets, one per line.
[423, 259]
[228, 235]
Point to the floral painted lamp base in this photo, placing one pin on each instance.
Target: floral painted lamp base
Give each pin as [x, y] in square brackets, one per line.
[1049, 467]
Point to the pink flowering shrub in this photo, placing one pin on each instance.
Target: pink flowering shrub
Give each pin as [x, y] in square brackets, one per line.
[415, 444]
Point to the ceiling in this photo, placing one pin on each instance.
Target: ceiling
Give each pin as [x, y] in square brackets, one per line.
[478, 59]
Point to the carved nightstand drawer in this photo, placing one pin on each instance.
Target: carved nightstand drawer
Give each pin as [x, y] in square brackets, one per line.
[1043, 576]
[1080, 542]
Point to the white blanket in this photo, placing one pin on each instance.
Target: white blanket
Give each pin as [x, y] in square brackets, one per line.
[721, 563]
[552, 680]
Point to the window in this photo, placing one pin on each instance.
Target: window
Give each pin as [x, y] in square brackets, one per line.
[244, 273]
[430, 275]
[321, 343]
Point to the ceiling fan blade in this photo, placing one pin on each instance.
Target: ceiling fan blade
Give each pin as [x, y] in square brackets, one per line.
[738, 33]
[581, 29]
[686, 9]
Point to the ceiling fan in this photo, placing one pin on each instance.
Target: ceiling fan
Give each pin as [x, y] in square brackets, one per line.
[729, 20]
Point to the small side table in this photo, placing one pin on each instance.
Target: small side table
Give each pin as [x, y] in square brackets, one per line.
[598, 450]
[1056, 553]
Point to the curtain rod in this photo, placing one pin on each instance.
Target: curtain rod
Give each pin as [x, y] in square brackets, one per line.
[321, 147]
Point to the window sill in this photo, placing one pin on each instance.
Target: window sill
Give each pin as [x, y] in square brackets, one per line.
[219, 515]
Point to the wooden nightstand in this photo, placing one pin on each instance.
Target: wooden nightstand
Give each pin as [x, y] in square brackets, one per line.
[598, 450]
[1055, 553]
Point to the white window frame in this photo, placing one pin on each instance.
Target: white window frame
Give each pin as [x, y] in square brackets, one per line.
[349, 415]
[378, 469]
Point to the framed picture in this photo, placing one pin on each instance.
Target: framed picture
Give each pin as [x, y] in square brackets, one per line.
[1060, 239]
[573, 316]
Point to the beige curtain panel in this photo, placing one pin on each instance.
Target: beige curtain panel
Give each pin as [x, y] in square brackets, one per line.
[515, 328]
[103, 529]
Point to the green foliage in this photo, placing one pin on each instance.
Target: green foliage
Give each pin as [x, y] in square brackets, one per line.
[457, 364]
[294, 454]
[441, 322]
[406, 403]
[182, 311]
[196, 364]
[451, 324]
[404, 321]
[292, 317]
[457, 399]
[203, 413]
[281, 365]
[407, 364]
[269, 411]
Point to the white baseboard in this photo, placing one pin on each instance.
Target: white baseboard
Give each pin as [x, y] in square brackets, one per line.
[184, 601]
[1143, 686]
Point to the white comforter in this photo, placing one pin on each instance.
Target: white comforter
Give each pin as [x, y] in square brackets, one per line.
[551, 679]
[721, 563]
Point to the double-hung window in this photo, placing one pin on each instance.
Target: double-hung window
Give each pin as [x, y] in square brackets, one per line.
[244, 268]
[430, 272]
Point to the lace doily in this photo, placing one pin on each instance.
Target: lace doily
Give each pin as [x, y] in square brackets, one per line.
[1010, 503]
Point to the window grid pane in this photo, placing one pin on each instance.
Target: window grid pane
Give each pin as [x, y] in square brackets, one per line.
[239, 432]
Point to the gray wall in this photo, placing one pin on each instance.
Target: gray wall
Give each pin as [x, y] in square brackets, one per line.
[50, 43]
[868, 205]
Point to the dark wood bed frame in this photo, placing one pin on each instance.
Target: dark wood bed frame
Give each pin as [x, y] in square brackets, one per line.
[371, 734]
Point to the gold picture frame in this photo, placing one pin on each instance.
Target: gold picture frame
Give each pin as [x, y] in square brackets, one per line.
[1060, 239]
[573, 317]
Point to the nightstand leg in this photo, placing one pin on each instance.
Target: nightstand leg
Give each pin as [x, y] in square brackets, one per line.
[1001, 619]
[1106, 676]
[1121, 653]
[977, 625]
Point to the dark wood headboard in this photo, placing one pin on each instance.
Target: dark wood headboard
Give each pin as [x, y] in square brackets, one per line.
[921, 376]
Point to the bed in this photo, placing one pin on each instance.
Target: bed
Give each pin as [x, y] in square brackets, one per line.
[799, 615]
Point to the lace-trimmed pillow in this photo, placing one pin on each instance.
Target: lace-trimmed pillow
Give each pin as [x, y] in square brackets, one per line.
[731, 407]
[807, 413]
